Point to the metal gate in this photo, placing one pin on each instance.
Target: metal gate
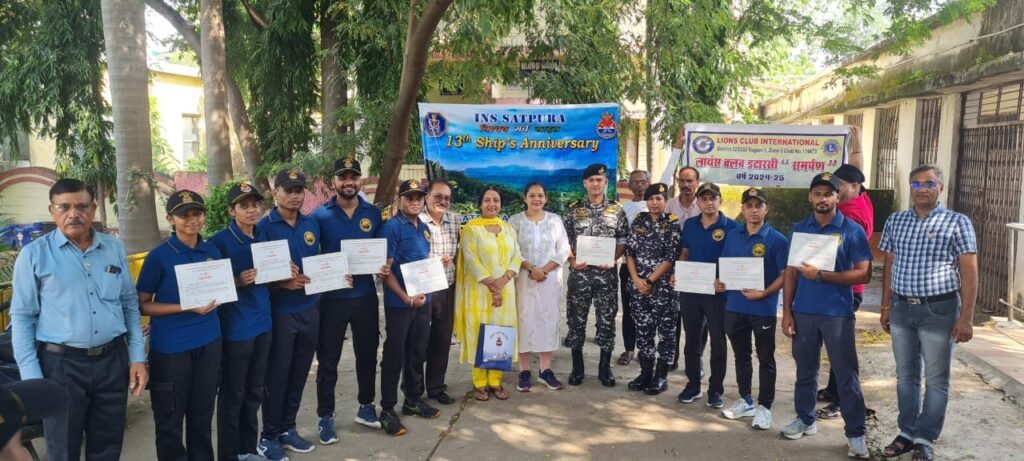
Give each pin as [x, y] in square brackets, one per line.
[988, 181]
[888, 138]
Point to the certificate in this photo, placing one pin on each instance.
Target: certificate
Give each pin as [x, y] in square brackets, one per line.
[326, 272]
[272, 261]
[424, 276]
[817, 250]
[201, 283]
[695, 277]
[595, 251]
[741, 273]
[365, 256]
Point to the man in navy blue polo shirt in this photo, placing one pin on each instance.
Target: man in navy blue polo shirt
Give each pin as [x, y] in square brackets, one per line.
[407, 321]
[818, 307]
[296, 320]
[347, 216]
[703, 241]
[753, 312]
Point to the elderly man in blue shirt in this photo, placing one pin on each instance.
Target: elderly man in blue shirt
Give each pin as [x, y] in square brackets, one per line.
[75, 320]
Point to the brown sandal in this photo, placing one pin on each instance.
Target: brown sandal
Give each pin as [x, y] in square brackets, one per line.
[899, 446]
[481, 394]
[500, 393]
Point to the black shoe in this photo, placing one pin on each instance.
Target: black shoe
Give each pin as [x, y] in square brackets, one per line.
[576, 375]
[443, 398]
[391, 423]
[604, 369]
[644, 380]
[659, 383]
[420, 408]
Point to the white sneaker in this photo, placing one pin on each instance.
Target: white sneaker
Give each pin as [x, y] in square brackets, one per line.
[858, 448]
[739, 409]
[762, 418]
[797, 429]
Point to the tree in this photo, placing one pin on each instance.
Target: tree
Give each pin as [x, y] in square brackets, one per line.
[215, 106]
[124, 32]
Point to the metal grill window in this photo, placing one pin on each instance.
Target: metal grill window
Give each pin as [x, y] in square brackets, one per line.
[930, 114]
[994, 106]
[888, 138]
[856, 120]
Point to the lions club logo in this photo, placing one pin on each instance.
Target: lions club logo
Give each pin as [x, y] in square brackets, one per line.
[309, 238]
[718, 235]
[758, 250]
[703, 144]
[435, 125]
[830, 147]
[365, 225]
[607, 128]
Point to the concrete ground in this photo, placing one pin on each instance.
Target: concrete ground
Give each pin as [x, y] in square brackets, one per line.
[594, 422]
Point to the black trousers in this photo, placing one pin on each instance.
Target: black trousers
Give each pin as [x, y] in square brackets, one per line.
[97, 398]
[831, 388]
[240, 396]
[291, 354]
[679, 332]
[740, 327]
[183, 386]
[335, 317]
[628, 324]
[405, 349]
[698, 310]
[442, 320]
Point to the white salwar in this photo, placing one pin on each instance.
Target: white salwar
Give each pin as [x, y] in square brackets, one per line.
[539, 303]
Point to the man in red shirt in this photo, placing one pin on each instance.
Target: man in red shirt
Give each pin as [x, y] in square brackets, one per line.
[855, 204]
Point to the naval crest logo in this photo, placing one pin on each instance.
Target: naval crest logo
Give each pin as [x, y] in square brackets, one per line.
[607, 128]
[186, 197]
[245, 187]
[435, 125]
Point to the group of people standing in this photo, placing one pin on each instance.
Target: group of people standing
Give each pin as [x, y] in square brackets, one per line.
[76, 314]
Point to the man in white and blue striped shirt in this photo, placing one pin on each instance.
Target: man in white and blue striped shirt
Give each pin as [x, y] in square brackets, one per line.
[929, 288]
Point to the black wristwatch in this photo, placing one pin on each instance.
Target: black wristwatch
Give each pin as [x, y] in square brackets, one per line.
[817, 278]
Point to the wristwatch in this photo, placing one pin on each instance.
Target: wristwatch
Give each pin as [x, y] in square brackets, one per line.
[817, 278]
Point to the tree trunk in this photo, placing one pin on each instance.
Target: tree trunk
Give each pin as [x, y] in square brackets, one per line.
[333, 82]
[124, 32]
[648, 100]
[101, 203]
[215, 105]
[414, 63]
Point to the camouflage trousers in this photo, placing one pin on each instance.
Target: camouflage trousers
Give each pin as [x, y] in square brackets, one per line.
[655, 315]
[597, 287]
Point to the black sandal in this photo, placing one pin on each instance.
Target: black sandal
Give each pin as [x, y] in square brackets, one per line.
[899, 446]
[923, 452]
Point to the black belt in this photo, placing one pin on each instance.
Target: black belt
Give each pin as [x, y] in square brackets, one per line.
[82, 352]
[926, 299]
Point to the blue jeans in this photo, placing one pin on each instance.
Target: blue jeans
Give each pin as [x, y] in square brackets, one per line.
[921, 335]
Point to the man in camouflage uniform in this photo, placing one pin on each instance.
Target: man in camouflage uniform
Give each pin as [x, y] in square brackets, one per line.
[651, 251]
[594, 216]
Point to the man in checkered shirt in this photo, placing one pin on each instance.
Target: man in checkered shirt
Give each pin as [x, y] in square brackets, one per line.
[929, 288]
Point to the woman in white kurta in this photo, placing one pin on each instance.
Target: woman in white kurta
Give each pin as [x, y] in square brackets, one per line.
[545, 248]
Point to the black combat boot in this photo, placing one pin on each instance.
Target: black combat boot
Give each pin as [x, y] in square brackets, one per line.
[643, 381]
[659, 383]
[604, 370]
[576, 376]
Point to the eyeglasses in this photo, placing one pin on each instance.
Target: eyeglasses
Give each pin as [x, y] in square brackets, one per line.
[927, 185]
[66, 207]
[441, 198]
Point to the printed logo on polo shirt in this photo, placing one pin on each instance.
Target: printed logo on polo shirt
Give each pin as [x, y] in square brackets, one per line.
[426, 234]
[718, 235]
[309, 238]
[758, 250]
[839, 238]
[365, 225]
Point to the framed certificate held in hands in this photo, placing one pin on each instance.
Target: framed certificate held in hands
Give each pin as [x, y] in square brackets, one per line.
[595, 251]
[201, 283]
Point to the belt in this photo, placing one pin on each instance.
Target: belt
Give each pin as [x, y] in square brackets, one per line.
[926, 299]
[82, 352]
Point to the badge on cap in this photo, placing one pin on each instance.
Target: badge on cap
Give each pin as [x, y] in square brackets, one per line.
[245, 187]
[600, 170]
[414, 184]
[186, 197]
[826, 176]
[348, 163]
[661, 189]
[293, 174]
[753, 193]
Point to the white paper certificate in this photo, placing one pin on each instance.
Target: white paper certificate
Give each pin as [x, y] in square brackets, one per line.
[424, 276]
[695, 277]
[365, 256]
[815, 249]
[595, 251]
[741, 273]
[200, 283]
[326, 272]
[272, 261]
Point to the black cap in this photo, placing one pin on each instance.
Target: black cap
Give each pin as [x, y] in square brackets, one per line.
[709, 187]
[241, 191]
[28, 401]
[850, 173]
[347, 164]
[827, 179]
[754, 193]
[595, 169]
[185, 200]
[411, 187]
[287, 179]
[656, 189]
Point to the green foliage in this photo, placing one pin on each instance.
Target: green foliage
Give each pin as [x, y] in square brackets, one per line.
[196, 164]
[163, 158]
[217, 216]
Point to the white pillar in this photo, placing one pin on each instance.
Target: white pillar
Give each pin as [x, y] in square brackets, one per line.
[907, 144]
[869, 141]
[949, 142]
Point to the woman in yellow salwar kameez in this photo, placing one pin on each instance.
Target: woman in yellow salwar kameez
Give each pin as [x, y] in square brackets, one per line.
[488, 262]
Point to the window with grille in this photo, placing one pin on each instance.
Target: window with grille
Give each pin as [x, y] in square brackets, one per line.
[929, 113]
[856, 120]
[888, 138]
[189, 136]
[993, 106]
